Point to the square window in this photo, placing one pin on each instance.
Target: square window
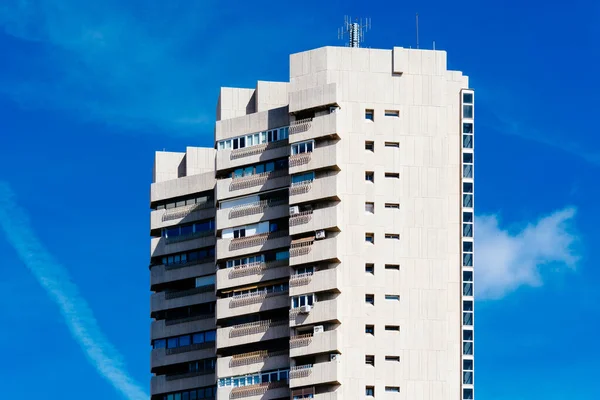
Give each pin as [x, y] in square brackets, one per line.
[468, 111]
[467, 158]
[468, 187]
[369, 115]
[392, 358]
[370, 268]
[467, 141]
[392, 267]
[370, 207]
[467, 216]
[392, 328]
[370, 145]
[467, 394]
[370, 391]
[468, 247]
[468, 127]
[468, 365]
[370, 329]
[467, 276]
[370, 360]
[370, 238]
[370, 299]
[370, 176]
[468, 305]
[468, 98]
[394, 175]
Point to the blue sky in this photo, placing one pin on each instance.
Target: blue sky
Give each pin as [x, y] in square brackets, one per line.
[89, 90]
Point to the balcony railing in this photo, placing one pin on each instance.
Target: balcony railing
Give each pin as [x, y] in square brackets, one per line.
[296, 160]
[255, 240]
[253, 357]
[257, 207]
[301, 218]
[184, 211]
[189, 263]
[257, 149]
[247, 299]
[191, 347]
[299, 126]
[300, 371]
[246, 182]
[189, 375]
[301, 279]
[254, 268]
[300, 340]
[302, 187]
[301, 247]
[189, 292]
[253, 328]
[188, 319]
[255, 390]
[191, 236]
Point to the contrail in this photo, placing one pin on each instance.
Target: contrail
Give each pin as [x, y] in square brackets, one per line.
[55, 279]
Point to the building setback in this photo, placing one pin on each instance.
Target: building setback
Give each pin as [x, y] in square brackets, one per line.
[323, 248]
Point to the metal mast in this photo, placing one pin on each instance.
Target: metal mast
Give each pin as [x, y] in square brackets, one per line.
[355, 30]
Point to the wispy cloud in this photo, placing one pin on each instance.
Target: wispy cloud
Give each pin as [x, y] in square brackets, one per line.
[509, 259]
[54, 278]
[131, 63]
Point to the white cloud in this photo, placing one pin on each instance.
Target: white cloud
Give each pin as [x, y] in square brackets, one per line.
[55, 280]
[506, 260]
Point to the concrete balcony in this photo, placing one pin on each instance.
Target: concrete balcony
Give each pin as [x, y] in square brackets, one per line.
[162, 329]
[167, 384]
[263, 391]
[162, 357]
[231, 248]
[250, 363]
[308, 250]
[325, 187]
[321, 311]
[250, 304]
[229, 159]
[252, 332]
[175, 216]
[252, 273]
[160, 274]
[166, 300]
[246, 214]
[316, 396]
[314, 97]
[160, 246]
[314, 374]
[314, 220]
[319, 158]
[235, 187]
[327, 279]
[324, 342]
[313, 128]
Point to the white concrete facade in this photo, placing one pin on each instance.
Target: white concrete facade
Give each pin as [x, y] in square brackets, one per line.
[370, 212]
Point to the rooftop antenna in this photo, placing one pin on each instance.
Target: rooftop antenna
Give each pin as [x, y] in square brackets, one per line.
[417, 30]
[356, 30]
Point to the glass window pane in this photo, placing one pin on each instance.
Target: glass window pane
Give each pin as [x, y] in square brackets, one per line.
[172, 343]
[468, 200]
[467, 111]
[468, 230]
[467, 216]
[468, 98]
[468, 348]
[468, 171]
[468, 260]
[468, 276]
[198, 338]
[210, 336]
[467, 289]
[184, 341]
[468, 141]
[467, 334]
[468, 127]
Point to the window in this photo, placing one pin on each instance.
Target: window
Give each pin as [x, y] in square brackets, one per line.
[392, 297]
[467, 276]
[468, 334]
[392, 144]
[370, 299]
[468, 187]
[369, 145]
[468, 105]
[370, 329]
[468, 200]
[467, 254]
[467, 217]
[392, 328]
[190, 257]
[392, 358]
[370, 208]
[189, 230]
[468, 394]
[370, 268]
[370, 391]
[394, 175]
[467, 165]
[303, 300]
[370, 176]
[392, 113]
[468, 318]
[467, 135]
[370, 360]
[194, 394]
[255, 379]
[392, 267]
[303, 178]
[370, 238]
[392, 389]
[270, 166]
[468, 230]
[303, 147]
[395, 206]
[369, 115]
[394, 236]
[467, 289]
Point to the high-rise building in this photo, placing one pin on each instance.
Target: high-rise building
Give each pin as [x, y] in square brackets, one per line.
[323, 248]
